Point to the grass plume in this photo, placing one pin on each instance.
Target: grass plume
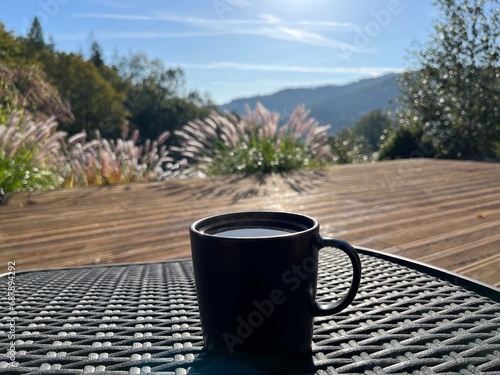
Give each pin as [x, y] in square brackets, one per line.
[255, 143]
[102, 161]
[30, 153]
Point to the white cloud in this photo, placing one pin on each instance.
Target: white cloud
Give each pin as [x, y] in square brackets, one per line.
[194, 21]
[301, 36]
[265, 25]
[270, 19]
[138, 35]
[114, 16]
[228, 65]
[328, 24]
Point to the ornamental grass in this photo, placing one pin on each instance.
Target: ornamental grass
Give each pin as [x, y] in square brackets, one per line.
[255, 143]
[35, 156]
[30, 154]
[102, 161]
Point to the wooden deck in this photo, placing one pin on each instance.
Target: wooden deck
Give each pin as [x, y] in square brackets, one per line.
[445, 213]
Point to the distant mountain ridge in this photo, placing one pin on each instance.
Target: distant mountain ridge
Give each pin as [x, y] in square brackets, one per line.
[339, 106]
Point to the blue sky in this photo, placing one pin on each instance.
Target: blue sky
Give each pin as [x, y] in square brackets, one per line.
[239, 48]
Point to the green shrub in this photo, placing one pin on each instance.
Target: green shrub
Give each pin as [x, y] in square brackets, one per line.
[349, 147]
[8, 99]
[407, 142]
[20, 173]
[265, 156]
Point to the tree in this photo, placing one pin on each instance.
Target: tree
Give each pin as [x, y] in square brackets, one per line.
[154, 97]
[139, 70]
[94, 101]
[453, 90]
[361, 142]
[406, 142]
[372, 127]
[11, 50]
[349, 147]
[35, 40]
[96, 53]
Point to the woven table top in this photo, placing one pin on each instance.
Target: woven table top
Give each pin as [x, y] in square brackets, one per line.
[144, 318]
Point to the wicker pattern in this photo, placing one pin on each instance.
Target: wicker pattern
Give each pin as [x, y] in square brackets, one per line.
[144, 319]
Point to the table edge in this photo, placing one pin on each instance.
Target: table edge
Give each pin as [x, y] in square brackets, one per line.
[463, 281]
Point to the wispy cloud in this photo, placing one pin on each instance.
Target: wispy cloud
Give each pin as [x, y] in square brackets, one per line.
[264, 25]
[270, 19]
[115, 16]
[328, 24]
[264, 19]
[228, 65]
[297, 35]
[102, 35]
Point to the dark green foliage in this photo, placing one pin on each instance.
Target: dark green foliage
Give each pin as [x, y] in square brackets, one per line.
[94, 102]
[372, 127]
[406, 142]
[8, 99]
[170, 114]
[350, 147]
[20, 173]
[35, 40]
[11, 49]
[261, 156]
[360, 142]
[96, 54]
[153, 96]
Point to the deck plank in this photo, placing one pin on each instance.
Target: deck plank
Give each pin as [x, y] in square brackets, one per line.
[445, 213]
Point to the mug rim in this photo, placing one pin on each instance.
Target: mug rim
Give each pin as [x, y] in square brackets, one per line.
[302, 224]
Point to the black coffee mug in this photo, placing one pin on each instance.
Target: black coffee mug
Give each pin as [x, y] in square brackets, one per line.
[256, 275]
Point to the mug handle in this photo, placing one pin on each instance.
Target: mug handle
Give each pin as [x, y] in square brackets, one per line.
[335, 307]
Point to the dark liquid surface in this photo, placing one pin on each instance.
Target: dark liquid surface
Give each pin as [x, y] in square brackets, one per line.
[251, 232]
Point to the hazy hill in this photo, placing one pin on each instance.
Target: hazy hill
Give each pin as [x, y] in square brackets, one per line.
[339, 106]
